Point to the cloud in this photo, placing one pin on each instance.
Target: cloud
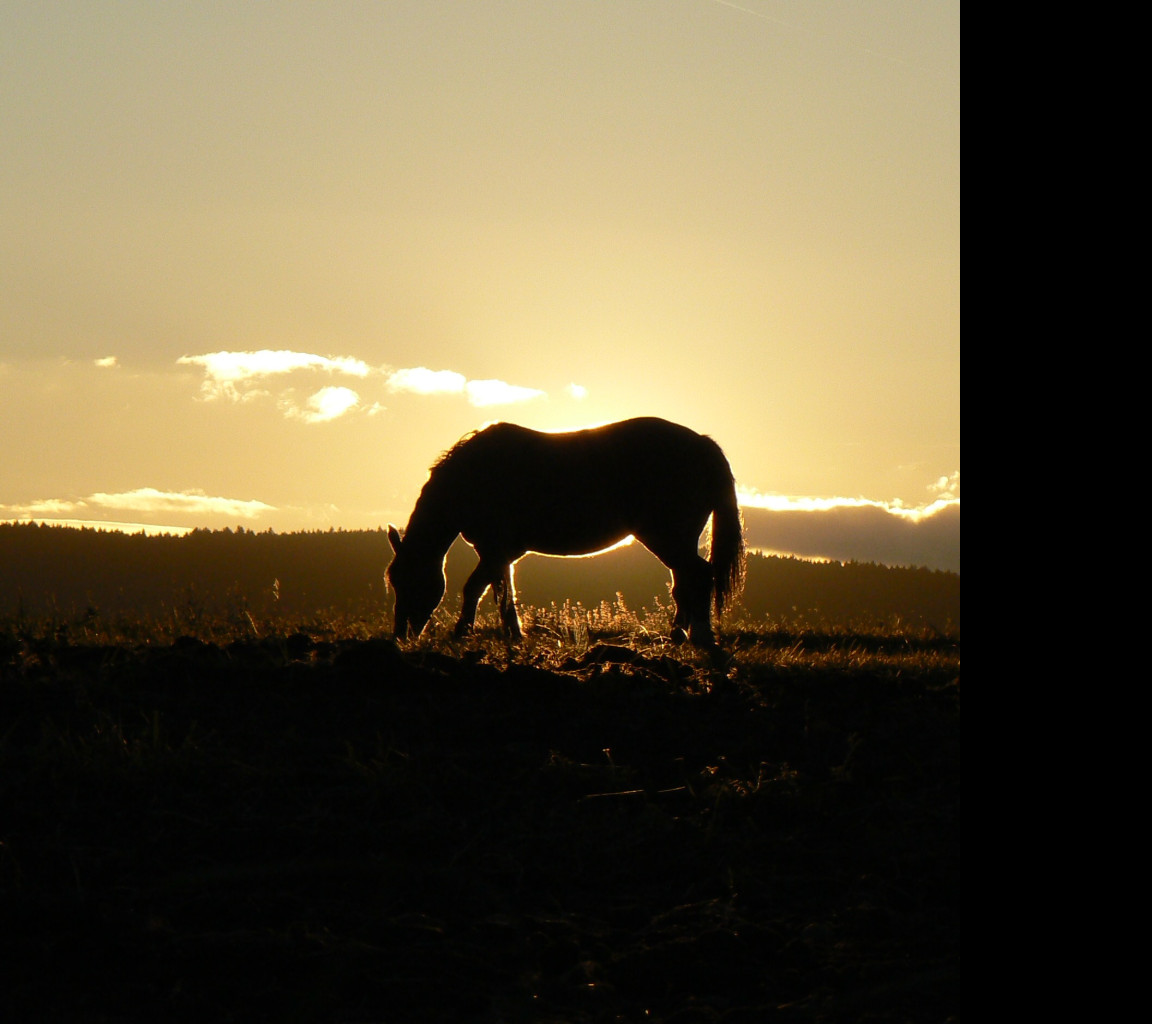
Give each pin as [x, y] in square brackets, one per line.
[232, 374]
[42, 507]
[241, 365]
[421, 381]
[242, 376]
[496, 392]
[846, 530]
[145, 500]
[749, 497]
[192, 502]
[577, 391]
[947, 486]
[325, 405]
[108, 362]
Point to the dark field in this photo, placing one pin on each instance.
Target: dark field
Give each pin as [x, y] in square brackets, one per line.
[321, 826]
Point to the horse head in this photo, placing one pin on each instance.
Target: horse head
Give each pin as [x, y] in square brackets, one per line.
[418, 583]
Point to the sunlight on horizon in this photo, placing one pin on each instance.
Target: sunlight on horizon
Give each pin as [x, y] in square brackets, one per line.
[150, 529]
[751, 498]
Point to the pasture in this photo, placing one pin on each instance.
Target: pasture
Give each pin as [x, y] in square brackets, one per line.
[310, 822]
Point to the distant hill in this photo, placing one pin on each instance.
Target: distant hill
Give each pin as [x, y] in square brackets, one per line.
[53, 570]
[859, 533]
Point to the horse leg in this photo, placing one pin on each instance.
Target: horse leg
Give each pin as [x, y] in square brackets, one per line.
[505, 593]
[691, 588]
[692, 592]
[480, 580]
[498, 576]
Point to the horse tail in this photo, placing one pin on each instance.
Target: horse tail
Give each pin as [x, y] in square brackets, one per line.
[728, 556]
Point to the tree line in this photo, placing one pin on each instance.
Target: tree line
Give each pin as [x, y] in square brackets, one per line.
[69, 571]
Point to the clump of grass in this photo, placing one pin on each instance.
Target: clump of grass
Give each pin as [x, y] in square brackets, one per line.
[580, 626]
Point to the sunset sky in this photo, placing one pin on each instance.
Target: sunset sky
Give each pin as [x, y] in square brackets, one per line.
[263, 262]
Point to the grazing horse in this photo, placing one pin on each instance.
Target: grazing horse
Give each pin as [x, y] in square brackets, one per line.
[509, 490]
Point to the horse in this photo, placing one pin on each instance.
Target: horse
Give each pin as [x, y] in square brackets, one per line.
[509, 490]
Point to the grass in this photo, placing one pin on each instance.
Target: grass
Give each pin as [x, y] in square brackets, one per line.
[235, 819]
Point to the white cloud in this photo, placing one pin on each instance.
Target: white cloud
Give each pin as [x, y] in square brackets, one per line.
[947, 486]
[420, 380]
[42, 507]
[143, 499]
[193, 502]
[578, 391]
[239, 376]
[241, 365]
[497, 392]
[108, 362]
[325, 405]
[751, 498]
[230, 374]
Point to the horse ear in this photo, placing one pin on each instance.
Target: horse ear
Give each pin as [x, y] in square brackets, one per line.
[394, 538]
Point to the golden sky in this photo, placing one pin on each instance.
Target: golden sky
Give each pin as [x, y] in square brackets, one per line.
[263, 262]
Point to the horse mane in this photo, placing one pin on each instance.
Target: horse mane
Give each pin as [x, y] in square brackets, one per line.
[444, 474]
[453, 453]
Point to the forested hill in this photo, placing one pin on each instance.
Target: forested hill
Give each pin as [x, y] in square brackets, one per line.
[67, 571]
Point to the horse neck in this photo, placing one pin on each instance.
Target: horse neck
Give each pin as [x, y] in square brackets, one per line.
[431, 527]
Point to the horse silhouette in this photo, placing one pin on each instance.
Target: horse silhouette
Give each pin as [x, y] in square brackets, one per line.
[509, 490]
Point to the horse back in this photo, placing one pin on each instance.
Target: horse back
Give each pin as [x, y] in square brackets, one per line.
[574, 492]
